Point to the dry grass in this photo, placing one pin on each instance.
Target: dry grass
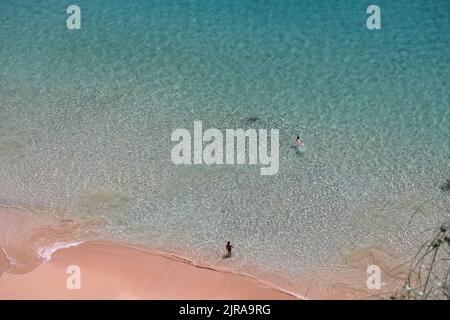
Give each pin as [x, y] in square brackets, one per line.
[429, 272]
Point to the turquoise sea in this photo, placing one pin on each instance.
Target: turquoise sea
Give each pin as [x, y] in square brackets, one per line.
[86, 119]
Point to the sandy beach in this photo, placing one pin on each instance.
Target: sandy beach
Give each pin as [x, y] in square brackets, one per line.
[116, 271]
[38, 255]
[37, 252]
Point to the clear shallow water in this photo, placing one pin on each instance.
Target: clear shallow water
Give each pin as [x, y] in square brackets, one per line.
[87, 117]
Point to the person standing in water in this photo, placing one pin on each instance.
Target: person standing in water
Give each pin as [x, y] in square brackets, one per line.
[298, 141]
[228, 247]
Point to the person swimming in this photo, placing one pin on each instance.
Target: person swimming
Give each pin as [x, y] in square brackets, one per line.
[300, 146]
[229, 247]
[299, 141]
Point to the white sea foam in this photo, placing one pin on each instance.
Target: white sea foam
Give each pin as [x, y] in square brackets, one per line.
[46, 252]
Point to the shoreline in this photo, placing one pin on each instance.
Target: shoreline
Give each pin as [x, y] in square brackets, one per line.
[35, 255]
[110, 270]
